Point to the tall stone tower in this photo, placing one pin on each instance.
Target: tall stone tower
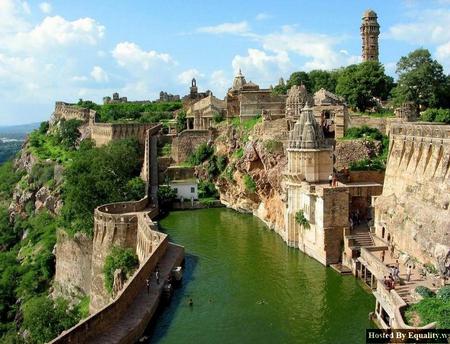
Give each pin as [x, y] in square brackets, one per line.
[370, 30]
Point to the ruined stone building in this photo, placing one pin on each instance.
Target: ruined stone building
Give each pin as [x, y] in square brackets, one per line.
[116, 99]
[200, 115]
[194, 95]
[246, 100]
[370, 30]
[168, 97]
[330, 111]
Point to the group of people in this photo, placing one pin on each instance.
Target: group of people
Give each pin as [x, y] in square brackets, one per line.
[394, 275]
[355, 218]
[157, 277]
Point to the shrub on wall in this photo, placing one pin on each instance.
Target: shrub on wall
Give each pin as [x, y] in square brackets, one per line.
[301, 219]
[166, 195]
[201, 154]
[249, 183]
[218, 117]
[436, 115]
[119, 258]
[207, 189]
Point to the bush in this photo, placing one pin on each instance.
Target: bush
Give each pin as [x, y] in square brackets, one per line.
[364, 132]
[165, 150]
[218, 117]
[69, 133]
[444, 293]
[45, 319]
[119, 258]
[135, 189]
[273, 146]
[207, 189]
[166, 195]
[42, 173]
[249, 183]
[98, 176]
[368, 165]
[181, 121]
[301, 219]
[424, 291]
[201, 154]
[431, 309]
[436, 115]
[43, 128]
[238, 153]
[8, 178]
[430, 268]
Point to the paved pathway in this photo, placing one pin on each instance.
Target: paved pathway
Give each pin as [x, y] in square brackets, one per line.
[145, 304]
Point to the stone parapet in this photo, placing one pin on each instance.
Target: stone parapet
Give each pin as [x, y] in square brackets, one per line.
[69, 111]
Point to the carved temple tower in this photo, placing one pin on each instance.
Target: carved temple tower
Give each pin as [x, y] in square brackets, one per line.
[310, 163]
[370, 30]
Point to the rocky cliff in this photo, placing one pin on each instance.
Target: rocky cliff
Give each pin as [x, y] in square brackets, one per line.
[253, 180]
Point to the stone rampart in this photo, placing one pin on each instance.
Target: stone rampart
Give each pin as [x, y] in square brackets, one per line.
[69, 111]
[414, 205]
[114, 225]
[103, 133]
[187, 141]
[111, 313]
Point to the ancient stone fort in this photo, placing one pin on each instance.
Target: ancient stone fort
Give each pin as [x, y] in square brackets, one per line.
[403, 213]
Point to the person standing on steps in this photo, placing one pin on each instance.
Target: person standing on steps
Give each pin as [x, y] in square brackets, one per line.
[157, 276]
[147, 282]
[408, 273]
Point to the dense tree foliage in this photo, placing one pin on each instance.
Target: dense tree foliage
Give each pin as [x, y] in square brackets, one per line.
[97, 176]
[119, 258]
[360, 84]
[201, 154]
[323, 79]
[421, 80]
[181, 121]
[299, 78]
[45, 319]
[143, 112]
[166, 195]
[436, 115]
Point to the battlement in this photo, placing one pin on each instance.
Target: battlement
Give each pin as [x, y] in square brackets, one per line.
[69, 111]
[421, 131]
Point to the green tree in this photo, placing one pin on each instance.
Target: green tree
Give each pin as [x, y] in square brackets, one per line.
[421, 80]
[299, 78]
[119, 258]
[166, 195]
[181, 121]
[360, 83]
[69, 133]
[97, 176]
[46, 319]
[323, 79]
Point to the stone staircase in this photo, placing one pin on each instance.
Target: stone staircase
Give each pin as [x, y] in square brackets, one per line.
[360, 239]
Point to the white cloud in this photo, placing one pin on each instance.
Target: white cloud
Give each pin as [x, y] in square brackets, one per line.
[11, 16]
[219, 82]
[99, 75]
[226, 28]
[186, 76]
[262, 16]
[429, 28]
[79, 78]
[45, 7]
[55, 31]
[319, 49]
[130, 55]
[262, 66]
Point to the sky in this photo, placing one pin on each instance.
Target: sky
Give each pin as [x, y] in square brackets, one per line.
[64, 50]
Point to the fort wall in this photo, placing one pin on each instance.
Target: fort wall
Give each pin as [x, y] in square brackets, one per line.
[187, 141]
[414, 205]
[70, 111]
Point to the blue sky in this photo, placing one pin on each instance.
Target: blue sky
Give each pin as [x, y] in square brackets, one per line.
[66, 50]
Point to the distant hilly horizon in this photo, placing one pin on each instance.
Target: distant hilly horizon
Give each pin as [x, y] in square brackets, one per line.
[19, 128]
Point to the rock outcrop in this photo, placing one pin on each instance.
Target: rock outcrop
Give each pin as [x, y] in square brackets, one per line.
[263, 161]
